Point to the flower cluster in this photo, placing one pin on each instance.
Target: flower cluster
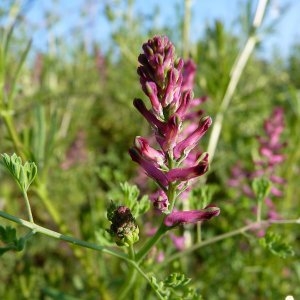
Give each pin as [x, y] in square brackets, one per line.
[270, 158]
[169, 91]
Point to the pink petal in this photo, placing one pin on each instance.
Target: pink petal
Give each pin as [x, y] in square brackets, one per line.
[149, 167]
[191, 216]
[184, 174]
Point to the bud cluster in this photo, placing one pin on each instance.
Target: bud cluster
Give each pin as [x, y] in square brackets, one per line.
[123, 225]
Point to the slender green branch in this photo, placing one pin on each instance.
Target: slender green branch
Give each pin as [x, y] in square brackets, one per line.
[18, 147]
[151, 242]
[235, 75]
[258, 212]
[224, 236]
[147, 279]
[56, 235]
[28, 208]
[131, 277]
[41, 191]
[186, 28]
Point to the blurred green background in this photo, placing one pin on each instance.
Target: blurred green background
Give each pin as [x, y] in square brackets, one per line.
[73, 111]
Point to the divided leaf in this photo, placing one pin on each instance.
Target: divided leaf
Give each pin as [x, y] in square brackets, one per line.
[131, 200]
[23, 174]
[261, 188]
[274, 243]
[9, 238]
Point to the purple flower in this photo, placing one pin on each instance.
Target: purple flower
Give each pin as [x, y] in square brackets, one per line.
[271, 156]
[151, 92]
[167, 82]
[189, 72]
[167, 136]
[184, 103]
[191, 216]
[178, 241]
[184, 174]
[149, 168]
[160, 200]
[185, 146]
[148, 115]
[148, 152]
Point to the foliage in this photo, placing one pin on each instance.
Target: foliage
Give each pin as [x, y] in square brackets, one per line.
[67, 114]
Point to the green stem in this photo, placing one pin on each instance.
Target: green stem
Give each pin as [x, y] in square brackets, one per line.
[235, 75]
[259, 209]
[18, 147]
[171, 193]
[28, 208]
[56, 235]
[40, 189]
[186, 28]
[151, 242]
[131, 276]
[224, 236]
[42, 194]
[199, 232]
[136, 266]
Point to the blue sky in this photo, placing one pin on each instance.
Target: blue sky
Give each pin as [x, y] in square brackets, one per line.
[204, 11]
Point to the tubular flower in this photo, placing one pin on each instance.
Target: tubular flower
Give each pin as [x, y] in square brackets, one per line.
[191, 216]
[167, 81]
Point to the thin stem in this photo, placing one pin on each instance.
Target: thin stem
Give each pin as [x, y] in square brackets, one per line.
[235, 75]
[199, 232]
[28, 208]
[131, 277]
[43, 195]
[147, 279]
[56, 235]
[13, 134]
[151, 242]
[186, 28]
[40, 189]
[258, 212]
[171, 194]
[226, 235]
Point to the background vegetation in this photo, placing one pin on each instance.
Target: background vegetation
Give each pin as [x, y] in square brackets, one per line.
[72, 111]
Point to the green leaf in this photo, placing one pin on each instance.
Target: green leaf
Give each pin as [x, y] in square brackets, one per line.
[131, 200]
[104, 238]
[176, 280]
[261, 188]
[201, 197]
[7, 234]
[23, 174]
[274, 243]
[9, 238]
[160, 287]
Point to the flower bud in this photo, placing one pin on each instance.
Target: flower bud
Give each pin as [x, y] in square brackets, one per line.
[123, 228]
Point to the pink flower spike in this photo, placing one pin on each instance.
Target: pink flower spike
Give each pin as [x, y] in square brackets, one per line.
[184, 174]
[191, 216]
[149, 116]
[149, 168]
[150, 153]
[185, 146]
